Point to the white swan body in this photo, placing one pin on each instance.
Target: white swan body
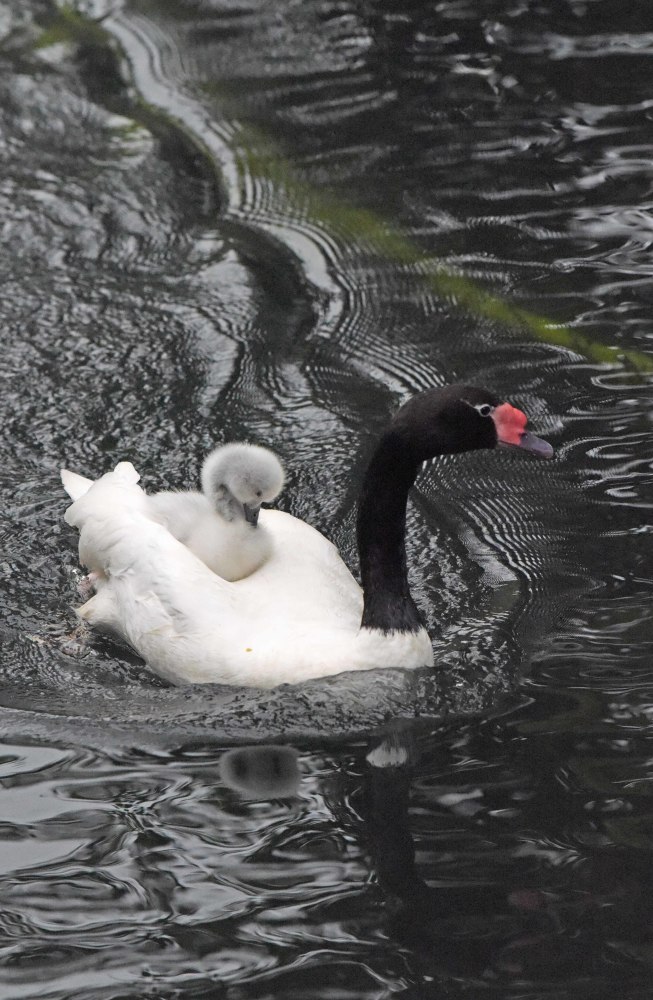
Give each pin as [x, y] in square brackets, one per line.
[296, 618]
[301, 614]
[220, 525]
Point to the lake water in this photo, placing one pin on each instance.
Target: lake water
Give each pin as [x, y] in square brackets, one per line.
[276, 221]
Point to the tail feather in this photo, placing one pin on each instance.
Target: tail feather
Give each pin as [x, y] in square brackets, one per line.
[126, 472]
[75, 486]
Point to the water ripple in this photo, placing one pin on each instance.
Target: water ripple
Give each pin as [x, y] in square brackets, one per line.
[243, 239]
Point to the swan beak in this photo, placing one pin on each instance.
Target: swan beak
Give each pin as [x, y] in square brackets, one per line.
[537, 446]
[251, 513]
[510, 424]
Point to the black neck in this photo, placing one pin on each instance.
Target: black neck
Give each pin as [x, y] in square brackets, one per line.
[381, 533]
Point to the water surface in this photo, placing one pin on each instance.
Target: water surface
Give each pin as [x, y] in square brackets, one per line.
[220, 221]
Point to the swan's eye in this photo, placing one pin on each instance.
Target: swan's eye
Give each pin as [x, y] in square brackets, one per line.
[484, 409]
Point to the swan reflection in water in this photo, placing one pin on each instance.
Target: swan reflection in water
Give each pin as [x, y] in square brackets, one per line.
[500, 930]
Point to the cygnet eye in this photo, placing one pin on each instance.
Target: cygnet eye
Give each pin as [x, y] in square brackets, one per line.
[259, 493]
[484, 409]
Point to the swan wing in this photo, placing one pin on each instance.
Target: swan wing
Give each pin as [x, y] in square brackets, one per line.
[153, 592]
[305, 579]
[179, 512]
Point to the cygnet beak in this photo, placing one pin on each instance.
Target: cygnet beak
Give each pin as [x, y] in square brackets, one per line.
[251, 513]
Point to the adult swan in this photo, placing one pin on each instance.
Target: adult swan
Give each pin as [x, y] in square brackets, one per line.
[302, 614]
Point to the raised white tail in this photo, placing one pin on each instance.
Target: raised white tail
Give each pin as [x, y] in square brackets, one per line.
[75, 486]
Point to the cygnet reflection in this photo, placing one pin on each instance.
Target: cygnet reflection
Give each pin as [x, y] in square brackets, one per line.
[261, 772]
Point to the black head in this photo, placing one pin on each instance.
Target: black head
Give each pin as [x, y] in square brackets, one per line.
[460, 418]
[448, 420]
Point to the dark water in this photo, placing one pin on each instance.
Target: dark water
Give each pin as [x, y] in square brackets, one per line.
[274, 221]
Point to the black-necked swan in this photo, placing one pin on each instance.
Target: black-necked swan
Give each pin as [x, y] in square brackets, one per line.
[220, 524]
[302, 614]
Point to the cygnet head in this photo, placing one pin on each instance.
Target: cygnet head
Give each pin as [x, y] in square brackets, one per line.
[238, 478]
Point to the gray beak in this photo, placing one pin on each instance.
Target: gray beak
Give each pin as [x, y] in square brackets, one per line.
[536, 446]
[251, 513]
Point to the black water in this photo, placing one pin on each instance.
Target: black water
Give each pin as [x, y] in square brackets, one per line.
[274, 221]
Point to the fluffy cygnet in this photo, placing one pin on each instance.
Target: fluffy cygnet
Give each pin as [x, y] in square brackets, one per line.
[220, 524]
